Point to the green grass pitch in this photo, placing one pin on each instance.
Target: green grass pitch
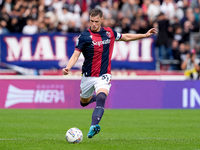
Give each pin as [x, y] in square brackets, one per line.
[142, 129]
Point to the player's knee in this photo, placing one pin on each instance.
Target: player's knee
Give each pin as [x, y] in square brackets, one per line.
[100, 99]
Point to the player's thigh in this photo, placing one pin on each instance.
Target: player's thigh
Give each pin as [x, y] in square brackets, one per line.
[86, 89]
[103, 84]
[104, 90]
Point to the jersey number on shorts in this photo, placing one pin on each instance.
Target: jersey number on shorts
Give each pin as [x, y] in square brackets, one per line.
[106, 77]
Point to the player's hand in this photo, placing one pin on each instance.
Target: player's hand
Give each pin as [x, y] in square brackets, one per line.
[151, 32]
[65, 71]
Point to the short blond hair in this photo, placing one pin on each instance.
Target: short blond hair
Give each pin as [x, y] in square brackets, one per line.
[95, 12]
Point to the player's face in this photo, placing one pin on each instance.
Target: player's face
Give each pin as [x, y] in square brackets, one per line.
[95, 23]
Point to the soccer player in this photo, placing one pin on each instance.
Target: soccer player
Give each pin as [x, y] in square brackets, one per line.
[96, 44]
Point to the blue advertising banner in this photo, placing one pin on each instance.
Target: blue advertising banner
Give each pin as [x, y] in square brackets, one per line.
[48, 51]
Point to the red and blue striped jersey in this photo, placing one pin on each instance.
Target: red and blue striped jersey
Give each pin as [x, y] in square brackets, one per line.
[97, 49]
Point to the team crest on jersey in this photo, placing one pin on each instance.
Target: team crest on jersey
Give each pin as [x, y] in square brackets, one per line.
[108, 34]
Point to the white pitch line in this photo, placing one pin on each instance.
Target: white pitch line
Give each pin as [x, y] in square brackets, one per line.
[11, 139]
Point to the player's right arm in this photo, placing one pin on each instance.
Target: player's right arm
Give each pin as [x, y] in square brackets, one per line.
[71, 62]
[78, 49]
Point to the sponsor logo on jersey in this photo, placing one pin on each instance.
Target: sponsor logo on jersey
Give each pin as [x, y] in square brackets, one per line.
[99, 43]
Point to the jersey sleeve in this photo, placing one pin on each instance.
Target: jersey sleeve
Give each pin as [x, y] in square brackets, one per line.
[117, 35]
[80, 43]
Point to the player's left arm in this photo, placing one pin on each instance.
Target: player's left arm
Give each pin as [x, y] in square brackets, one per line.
[133, 37]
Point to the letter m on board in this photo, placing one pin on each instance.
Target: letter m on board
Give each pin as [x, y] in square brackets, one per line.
[18, 50]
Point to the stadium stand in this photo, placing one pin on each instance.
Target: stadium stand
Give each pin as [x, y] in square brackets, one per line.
[176, 20]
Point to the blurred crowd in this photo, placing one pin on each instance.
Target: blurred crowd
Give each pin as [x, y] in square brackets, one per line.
[178, 17]
[176, 20]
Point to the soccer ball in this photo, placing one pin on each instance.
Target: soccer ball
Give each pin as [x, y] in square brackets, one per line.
[74, 135]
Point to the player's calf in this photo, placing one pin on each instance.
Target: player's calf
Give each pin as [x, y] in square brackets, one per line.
[99, 109]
